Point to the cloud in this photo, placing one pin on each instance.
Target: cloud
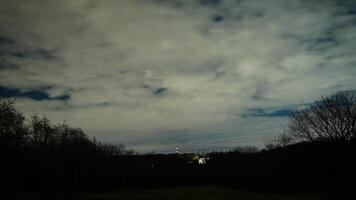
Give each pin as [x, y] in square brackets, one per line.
[143, 69]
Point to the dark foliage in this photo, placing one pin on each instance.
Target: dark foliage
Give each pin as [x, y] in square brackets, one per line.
[37, 156]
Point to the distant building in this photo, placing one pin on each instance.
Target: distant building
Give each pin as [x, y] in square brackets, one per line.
[177, 150]
[201, 160]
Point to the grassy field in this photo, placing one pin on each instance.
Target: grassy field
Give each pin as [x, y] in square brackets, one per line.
[189, 193]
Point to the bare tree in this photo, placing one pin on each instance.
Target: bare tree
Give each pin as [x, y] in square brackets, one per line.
[281, 140]
[13, 129]
[331, 118]
[41, 132]
[246, 149]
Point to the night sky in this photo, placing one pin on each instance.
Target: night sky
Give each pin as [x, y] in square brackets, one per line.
[156, 74]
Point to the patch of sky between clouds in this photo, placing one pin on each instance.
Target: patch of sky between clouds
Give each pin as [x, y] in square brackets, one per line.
[259, 112]
[35, 94]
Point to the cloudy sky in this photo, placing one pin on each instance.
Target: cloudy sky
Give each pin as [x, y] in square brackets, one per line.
[156, 74]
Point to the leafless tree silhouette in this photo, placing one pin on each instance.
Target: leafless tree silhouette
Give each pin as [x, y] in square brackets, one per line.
[281, 140]
[331, 118]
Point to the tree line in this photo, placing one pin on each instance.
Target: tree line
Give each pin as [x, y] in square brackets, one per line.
[38, 134]
[37, 155]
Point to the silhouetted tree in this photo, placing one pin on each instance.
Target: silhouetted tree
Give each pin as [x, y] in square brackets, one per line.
[246, 149]
[331, 118]
[13, 129]
[41, 132]
[113, 149]
[281, 140]
[72, 138]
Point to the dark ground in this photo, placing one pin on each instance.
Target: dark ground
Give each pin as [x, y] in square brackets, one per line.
[189, 193]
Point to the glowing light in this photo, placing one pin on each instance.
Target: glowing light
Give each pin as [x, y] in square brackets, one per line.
[202, 161]
[177, 150]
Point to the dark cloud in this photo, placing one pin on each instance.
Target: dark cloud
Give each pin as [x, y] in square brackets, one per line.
[160, 91]
[6, 40]
[218, 18]
[38, 54]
